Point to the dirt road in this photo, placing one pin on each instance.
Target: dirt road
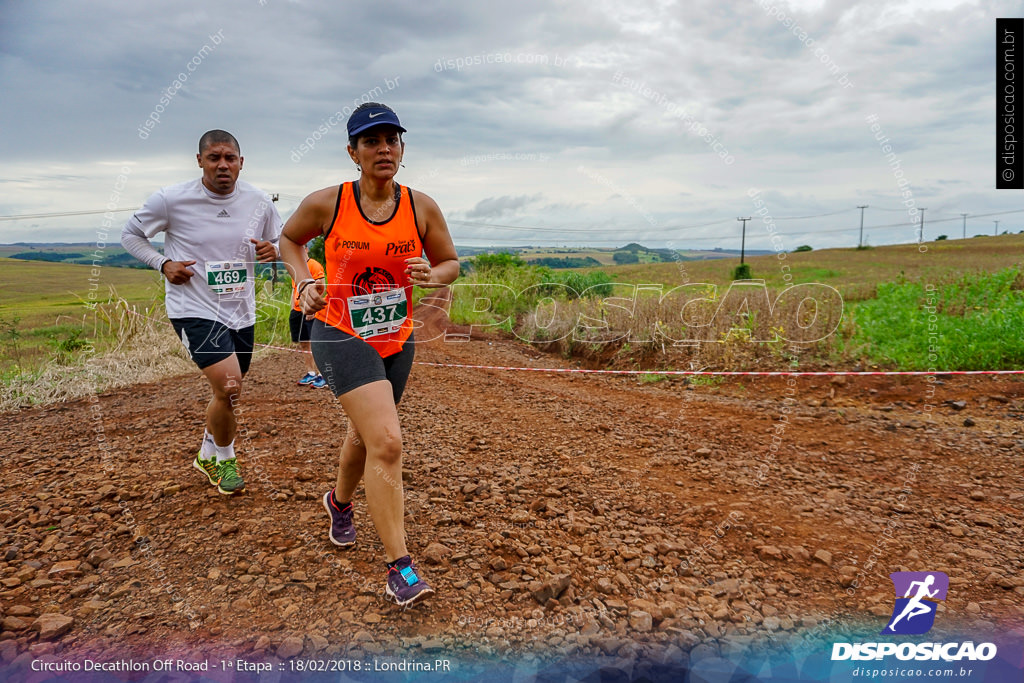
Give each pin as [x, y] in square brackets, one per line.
[555, 513]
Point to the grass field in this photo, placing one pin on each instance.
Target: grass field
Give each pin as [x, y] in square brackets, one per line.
[44, 322]
[54, 347]
[855, 273]
[43, 303]
[975, 286]
[603, 256]
[43, 294]
[973, 322]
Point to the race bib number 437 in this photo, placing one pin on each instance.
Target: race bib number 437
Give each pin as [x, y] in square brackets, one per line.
[378, 313]
[225, 277]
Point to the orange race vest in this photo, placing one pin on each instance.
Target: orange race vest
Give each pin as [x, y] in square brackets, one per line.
[316, 270]
[368, 294]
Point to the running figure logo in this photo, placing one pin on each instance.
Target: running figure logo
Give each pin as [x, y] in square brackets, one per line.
[917, 599]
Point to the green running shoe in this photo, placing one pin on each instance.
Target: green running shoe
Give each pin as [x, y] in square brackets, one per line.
[229, 481]
[207, 467]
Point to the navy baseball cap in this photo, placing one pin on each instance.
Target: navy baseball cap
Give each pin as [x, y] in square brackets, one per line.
[370, 117]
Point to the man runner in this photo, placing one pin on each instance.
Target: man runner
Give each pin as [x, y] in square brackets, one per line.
[215, 228]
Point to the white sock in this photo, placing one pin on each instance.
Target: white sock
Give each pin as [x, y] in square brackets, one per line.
[208, 449]
[225, 452]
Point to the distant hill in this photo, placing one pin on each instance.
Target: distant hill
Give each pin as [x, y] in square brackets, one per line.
[566, 262]
[632, 253]
[53, 256]
[114, 255]
[473, 251]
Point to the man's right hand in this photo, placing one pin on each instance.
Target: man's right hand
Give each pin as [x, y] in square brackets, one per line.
[177, 272]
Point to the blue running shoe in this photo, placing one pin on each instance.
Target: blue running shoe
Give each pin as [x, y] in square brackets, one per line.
[404, 586]
[343, 531]
[308, 379]
[319, 383]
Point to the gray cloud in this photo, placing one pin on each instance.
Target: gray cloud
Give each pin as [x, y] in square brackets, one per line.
[496, 207]
[529, 77]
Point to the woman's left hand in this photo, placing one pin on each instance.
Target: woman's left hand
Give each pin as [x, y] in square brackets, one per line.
[418, 270]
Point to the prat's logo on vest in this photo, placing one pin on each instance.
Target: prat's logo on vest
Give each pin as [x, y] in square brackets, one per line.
[405, 248]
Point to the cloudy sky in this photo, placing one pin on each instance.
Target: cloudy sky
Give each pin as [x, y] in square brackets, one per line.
[574, 122]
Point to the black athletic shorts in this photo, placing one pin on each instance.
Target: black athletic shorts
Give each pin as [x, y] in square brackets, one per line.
[348, 362]
[300, 326]
[209, 341]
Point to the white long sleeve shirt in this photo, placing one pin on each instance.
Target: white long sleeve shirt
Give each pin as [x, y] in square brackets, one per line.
[214, 231]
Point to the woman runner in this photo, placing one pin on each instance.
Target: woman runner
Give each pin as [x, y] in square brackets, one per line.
[375, 231]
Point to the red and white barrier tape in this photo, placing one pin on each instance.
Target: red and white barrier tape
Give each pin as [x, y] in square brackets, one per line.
[729, 373]
[680, 373]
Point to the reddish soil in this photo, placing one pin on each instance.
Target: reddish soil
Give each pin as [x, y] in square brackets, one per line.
[559, 513]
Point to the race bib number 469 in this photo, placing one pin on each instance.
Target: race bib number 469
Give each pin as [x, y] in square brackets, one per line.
[225, 277]
[378, 313]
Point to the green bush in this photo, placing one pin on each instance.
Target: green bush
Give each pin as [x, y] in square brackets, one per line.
[804, 247]
[518, 287]
[316, 250]
[624, 257]
[742, 272]
[67, 346]
[566, 262]
[594, 284]
[11, 338]
[972, 323]
[499, 261]
[273, 307]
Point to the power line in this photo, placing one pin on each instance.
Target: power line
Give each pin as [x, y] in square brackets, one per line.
[619, 240]
[65, 214]
[586, 230]
[619, 230]
[820, 215]
[622, 233]
[716, 238]
[62, 214]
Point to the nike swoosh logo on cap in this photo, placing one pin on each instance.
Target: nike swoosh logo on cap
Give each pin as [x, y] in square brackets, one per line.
[380, 113]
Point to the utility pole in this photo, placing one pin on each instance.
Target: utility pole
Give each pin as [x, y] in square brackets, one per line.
[860, 244]
[743, 243]
[996, 233]
[965, 225]
[920, 237]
